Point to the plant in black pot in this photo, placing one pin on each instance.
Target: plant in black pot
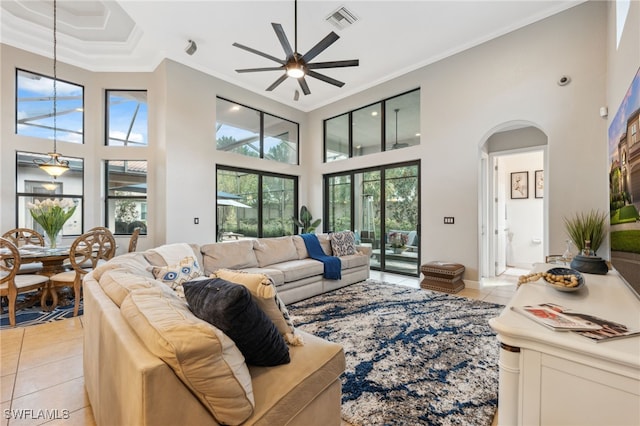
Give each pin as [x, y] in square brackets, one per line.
[587, 231]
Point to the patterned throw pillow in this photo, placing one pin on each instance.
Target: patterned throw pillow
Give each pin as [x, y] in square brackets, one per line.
[231, 308]
[176, 275]
[343, 243]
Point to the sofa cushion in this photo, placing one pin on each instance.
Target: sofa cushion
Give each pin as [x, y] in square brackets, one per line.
[118, 283]
[176, 275]
[343, 243]
[232, 255]
[354, 261]
[313, 368]
[274, 250]
[298, 269]
[325, 243]
[264, 293]
[231, 308]
[203, 357]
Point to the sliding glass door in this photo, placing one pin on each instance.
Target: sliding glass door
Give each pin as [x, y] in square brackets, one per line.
[381, 206]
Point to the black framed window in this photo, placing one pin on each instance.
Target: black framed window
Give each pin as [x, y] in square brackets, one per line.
[32, 184]
[254, 204]
[126, 201]
[34, 108]
[392, 123]
[254, 133]
[126, 118]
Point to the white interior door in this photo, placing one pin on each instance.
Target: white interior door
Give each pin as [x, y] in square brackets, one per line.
[499, 219]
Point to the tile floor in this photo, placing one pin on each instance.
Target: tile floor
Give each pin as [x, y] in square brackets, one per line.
[41, 379]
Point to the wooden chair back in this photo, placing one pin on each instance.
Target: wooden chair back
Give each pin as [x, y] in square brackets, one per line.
[91, 247]
[9, 263]
[133, 242]
[22, 236]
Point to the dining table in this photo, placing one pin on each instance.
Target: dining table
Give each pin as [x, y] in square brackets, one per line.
[52, 260]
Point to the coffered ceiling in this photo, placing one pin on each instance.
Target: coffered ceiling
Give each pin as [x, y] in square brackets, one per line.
[389, 38]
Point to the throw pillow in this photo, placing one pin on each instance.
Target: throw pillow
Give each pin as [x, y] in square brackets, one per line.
[265, 295]
[176, 275]
[343, 243]
[230, 307]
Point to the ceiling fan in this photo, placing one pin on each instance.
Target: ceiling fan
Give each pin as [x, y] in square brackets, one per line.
[296, 65]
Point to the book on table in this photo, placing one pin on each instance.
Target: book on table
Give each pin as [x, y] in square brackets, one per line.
[560, 318]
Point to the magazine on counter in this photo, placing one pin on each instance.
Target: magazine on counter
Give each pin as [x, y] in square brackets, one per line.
[560, 318]
[554, 317]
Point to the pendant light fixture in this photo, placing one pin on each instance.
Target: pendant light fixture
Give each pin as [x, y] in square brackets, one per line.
[54, 166]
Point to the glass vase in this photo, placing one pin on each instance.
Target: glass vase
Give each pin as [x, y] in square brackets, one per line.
[53, 239]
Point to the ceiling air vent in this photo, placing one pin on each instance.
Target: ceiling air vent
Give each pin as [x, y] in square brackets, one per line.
[342, 18]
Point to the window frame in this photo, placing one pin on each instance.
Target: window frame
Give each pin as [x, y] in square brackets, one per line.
[261, 132]
[46, 177]
[107, 114]
[384, 114]
[16, 109]
[108, 198]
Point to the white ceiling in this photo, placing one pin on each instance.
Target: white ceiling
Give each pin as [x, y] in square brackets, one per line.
[390, 38]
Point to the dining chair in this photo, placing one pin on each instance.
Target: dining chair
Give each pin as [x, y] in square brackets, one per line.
[12, 283]
[133, 242]
[26, 236]
[87, 251]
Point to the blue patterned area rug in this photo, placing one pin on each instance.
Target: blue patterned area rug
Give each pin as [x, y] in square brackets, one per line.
[35, 315]
[413, 356]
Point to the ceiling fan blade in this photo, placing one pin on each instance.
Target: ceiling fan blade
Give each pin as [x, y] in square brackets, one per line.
[304, 86]
[318, 48]
[257, 52]
[284, 41]
[277, 82]
[334, 64]
[260, 69]
[325, 78]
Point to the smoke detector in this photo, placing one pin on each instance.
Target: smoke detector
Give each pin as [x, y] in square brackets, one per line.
[341, 18]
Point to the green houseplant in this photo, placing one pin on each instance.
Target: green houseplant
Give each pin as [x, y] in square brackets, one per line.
[589, 226]
[587, 231]
[305, 221]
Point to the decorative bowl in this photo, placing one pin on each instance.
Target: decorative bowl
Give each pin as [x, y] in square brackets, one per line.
[564, 271]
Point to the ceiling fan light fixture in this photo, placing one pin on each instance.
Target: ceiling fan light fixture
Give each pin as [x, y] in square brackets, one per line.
[295, 70]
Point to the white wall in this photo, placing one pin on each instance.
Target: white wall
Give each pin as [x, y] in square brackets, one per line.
[466, 97]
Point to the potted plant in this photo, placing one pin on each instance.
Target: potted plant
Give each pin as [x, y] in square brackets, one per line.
[305, 221]
[587, 231]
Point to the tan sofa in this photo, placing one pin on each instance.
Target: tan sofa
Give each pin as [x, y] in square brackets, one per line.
[149, 361]
[286, 261]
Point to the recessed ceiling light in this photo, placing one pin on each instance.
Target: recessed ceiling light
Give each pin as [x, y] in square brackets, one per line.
[417, 134]
[235, 108]
[374, 113]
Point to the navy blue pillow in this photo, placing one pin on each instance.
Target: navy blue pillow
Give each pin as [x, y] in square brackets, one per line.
[230, 308]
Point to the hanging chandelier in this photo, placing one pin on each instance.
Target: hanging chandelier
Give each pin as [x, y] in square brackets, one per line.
[54, 166]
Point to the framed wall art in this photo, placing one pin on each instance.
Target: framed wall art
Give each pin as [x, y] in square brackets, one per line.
[539, 179]
[519, 185]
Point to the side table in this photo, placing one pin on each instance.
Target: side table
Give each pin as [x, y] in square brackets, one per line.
[442, 276]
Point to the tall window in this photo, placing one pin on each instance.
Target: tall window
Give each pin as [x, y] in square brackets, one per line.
[126, 196]
[34, 108]
[127, 123]
[255, 204]
[381, 206]
[32, 184]
[393, 123]
[250, 132]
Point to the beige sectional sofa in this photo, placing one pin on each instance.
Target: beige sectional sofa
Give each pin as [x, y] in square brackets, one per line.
[149, 361]
[286, 261]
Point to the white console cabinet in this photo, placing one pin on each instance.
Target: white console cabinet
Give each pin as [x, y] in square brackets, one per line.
[560, 378]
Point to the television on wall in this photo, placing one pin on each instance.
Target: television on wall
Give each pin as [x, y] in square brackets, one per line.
[624, 186]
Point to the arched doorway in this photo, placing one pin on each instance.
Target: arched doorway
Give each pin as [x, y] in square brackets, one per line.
[513, 207]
